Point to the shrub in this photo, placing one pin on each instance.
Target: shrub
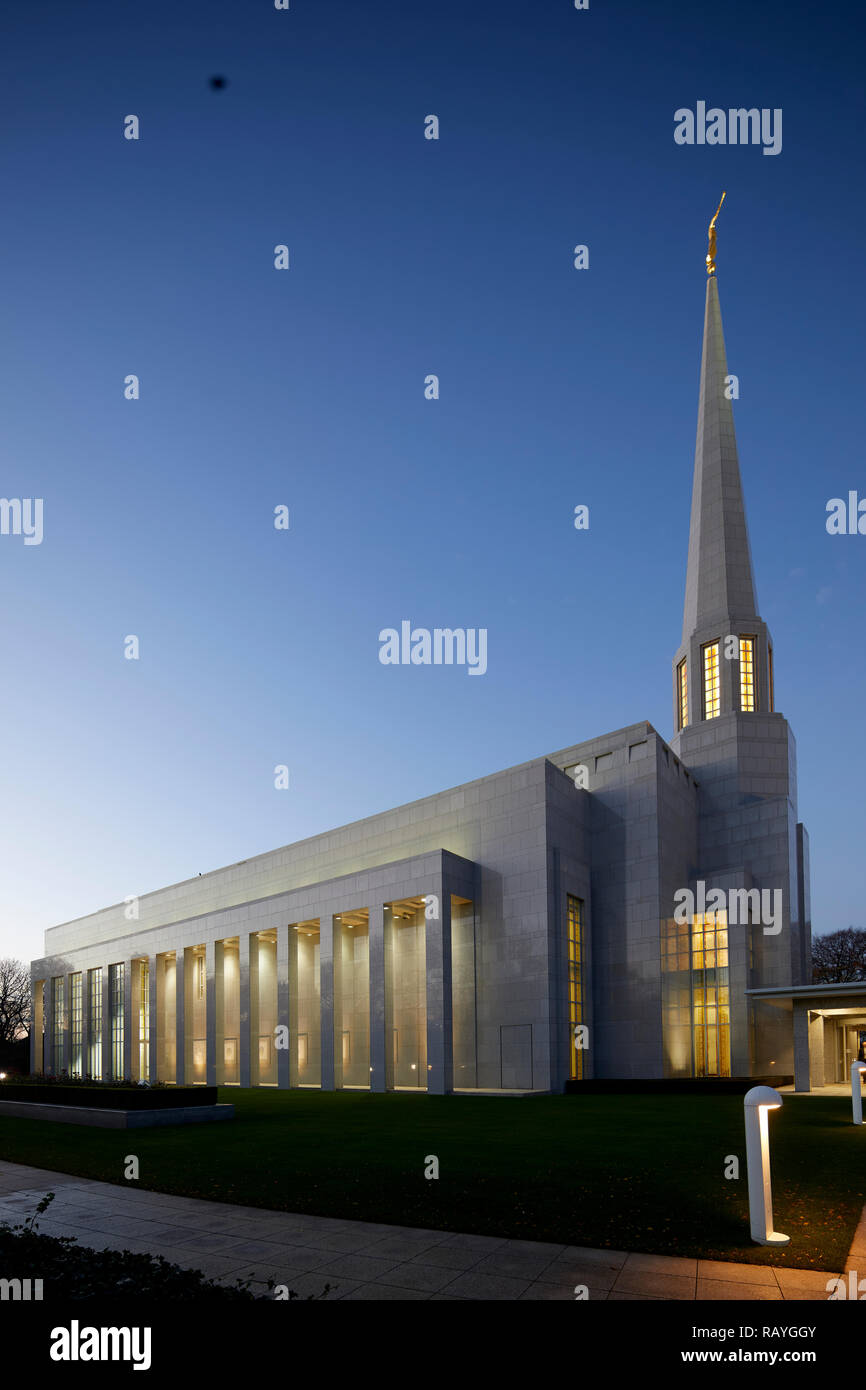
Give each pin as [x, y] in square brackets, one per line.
[70, 1272]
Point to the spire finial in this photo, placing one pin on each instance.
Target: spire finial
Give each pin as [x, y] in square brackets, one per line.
[711, 254]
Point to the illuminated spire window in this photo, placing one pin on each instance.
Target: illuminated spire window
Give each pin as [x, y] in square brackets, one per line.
[682, 695]
[747, 675]
[711, 680]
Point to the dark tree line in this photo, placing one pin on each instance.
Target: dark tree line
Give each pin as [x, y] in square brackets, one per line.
[14, 1000]
[839, 957]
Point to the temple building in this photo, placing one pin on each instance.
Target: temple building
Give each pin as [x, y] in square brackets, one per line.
[519, 931]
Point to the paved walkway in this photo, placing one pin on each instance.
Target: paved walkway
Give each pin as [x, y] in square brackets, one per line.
[362, 1260]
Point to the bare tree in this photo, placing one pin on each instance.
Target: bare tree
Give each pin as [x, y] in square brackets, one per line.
[839, 957]
[14, 1000]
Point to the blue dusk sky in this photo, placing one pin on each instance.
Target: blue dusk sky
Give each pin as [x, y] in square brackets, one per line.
[305, 388]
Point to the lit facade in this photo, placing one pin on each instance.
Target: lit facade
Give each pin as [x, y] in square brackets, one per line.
[514, 933]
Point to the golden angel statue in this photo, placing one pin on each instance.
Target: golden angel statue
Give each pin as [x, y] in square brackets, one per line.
[711, 254]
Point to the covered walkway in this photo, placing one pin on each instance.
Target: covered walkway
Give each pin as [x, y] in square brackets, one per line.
[828, 1022]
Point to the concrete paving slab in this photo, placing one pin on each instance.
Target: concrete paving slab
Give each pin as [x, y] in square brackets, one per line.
[307, 1252]
[722, 1289]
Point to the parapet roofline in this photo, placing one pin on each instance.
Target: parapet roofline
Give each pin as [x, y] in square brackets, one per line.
[180, 922]
[643, 726]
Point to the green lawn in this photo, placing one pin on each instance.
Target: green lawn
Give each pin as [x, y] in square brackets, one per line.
[626, 1172]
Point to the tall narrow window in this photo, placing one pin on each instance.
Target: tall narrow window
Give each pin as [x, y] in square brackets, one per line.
[711, 680]
[772, 701]
[575, 986]
[115, 994]
[682, 694]
[75, 1020]
[58, 1024]
[711, 1008]
[94, 1061]
[144, 1020]
[747, 675]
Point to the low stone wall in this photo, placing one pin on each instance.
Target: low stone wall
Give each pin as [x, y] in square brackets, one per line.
[675, 1086]
[116, 1119]
[108, 1097]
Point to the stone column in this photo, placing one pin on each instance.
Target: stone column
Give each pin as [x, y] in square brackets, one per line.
[440, 1032]
[153, 1057]
[213, 1001]
[292, 1011]
[244, 1028]
[255, 1011]
[217, 1066]
[802, 1080]
[326, 965]
[283, 1053]
[106, 1023]
[180, 992]
[816, 1049]
[378, 1078]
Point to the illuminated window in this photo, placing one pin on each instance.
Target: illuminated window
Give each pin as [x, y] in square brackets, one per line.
[75, 1022]
[116, 1008]
[711, 680]
[94, 1063]
[199, 977]
[58, 1024]
[144, 1020]
[747, 675]
[575, 985]
[682, 694]
[711, 1007]
[772, 695]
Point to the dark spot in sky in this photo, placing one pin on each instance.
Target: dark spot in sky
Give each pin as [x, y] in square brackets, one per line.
[219, 82]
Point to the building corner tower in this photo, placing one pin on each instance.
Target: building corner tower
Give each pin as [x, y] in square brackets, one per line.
[728, 734]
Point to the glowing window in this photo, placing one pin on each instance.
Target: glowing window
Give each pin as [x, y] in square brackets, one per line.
[747, 675]
[575, 984]
[143, 1020]
[58, 1023]
[116, 1016]
[682, 694]
[711, 1006]
[95, 1006]
[76, 1019]
[711, 680]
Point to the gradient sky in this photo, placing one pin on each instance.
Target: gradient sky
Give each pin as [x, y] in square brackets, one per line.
[306, 388]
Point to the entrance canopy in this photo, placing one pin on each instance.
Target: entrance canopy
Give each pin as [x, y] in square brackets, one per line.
[827, 1021]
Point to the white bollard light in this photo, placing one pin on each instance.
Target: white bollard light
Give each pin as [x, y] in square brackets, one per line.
[857, 1070]
[756, 1104]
